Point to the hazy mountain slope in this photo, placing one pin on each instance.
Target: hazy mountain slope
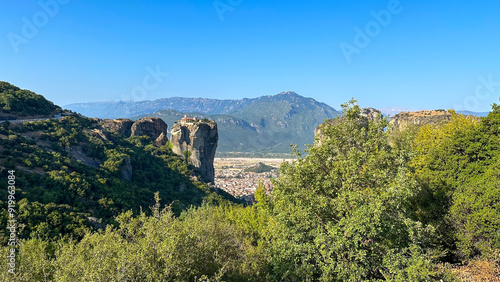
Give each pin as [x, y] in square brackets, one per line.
[287, 117]
[128, 109]
[477, 114]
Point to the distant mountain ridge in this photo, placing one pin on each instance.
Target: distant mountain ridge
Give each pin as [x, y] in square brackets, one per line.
[264, 125]
[128, 109]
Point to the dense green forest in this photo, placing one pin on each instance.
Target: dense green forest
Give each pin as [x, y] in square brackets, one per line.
[66, 173]
[367, 203]
[14, 100]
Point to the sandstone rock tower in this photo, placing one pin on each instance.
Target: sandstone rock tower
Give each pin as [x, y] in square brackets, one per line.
[152, 127]
[199, 138]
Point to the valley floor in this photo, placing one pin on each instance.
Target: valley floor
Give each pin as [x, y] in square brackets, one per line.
[230, 175]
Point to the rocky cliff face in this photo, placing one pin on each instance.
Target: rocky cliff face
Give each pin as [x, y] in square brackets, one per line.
[121, 125]
[367, 113]
[200, 140]
[405, 119]
[152, 127]
[127, 170]
[371, 113]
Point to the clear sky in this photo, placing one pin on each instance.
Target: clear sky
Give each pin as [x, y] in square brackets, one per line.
[419, 54]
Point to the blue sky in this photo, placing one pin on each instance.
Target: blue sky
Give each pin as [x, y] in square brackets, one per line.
[427, 55]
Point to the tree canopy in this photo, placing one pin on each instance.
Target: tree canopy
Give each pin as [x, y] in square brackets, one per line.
[14, 100]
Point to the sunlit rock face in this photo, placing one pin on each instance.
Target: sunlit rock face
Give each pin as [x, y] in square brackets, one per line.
[120, 126]
[199, 139]
[405, 119]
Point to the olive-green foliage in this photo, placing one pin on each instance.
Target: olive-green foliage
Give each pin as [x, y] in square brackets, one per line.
[23, 102]
[458, 164]
[344, 211]
[203, 244]
[475, 214]
[51, 181]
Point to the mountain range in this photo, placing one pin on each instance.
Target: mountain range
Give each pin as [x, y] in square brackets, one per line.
[255, 127]
[264, 125]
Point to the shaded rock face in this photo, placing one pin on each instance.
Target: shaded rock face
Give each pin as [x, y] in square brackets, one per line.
[161, 140]
[77, 152]
[403, 120]
[367, 113]
[154, 128]
[371, 113]
[99, 133]
[127, 170]
[120, 126]
[200, 140]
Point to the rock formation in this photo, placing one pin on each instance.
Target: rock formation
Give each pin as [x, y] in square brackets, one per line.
[405, 119]
[121, 126]
[199, 138]
[371, 113]
[127, 170]
[161, 140]
[152, 127]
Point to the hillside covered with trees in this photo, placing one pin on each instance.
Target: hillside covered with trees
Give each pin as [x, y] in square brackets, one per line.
[21, 102]
[367, 203]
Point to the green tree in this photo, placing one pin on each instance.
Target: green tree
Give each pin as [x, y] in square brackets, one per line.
[457, 166]
[343, 212]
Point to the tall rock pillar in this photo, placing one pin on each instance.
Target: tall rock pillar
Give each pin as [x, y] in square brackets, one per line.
[199, 138]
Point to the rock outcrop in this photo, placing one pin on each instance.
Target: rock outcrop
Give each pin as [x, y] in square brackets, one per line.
[403, 120]
[371, 113]
[127, 170]
[199, 139]
[161, 140]
[121, 126]
[152, 127]
[77, 152]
